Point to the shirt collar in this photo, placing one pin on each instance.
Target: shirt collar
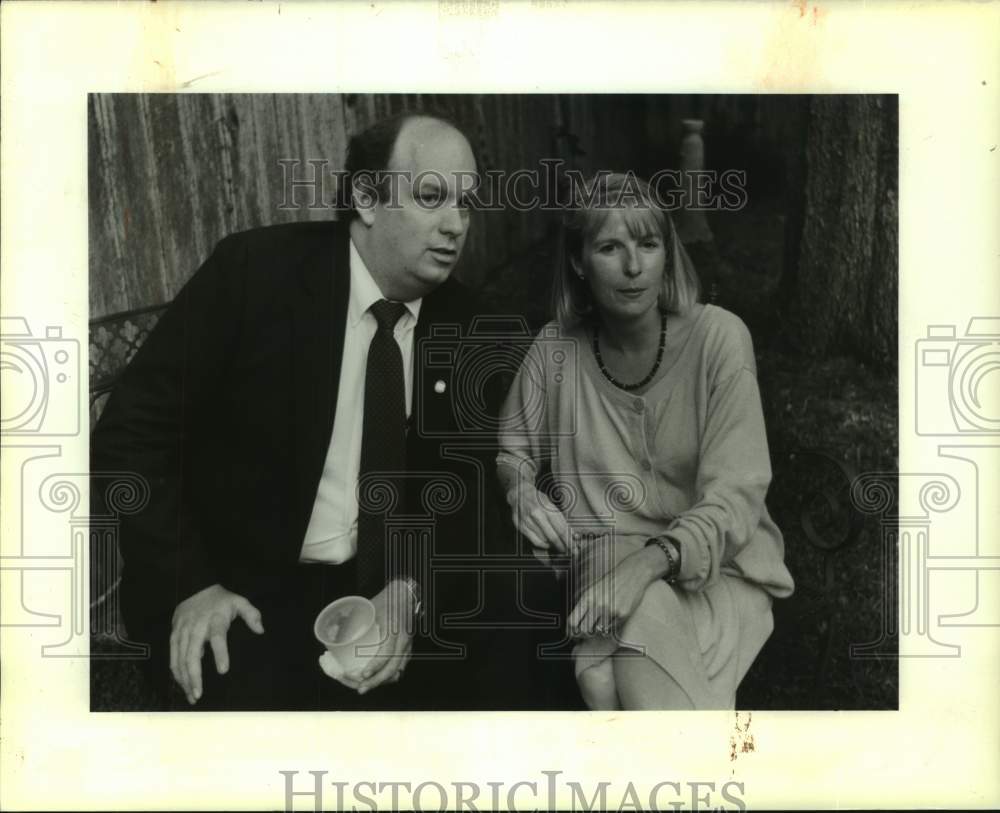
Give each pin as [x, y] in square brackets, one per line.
[365, 291]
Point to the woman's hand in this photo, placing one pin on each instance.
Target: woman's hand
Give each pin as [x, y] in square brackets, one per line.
[605, 605]
[538, 518]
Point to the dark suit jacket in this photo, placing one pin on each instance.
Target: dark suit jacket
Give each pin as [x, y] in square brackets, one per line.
[227, 411]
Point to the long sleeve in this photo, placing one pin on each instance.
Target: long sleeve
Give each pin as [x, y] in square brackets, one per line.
[734, 468]
[688, 458]
[523, 444]
[146, 426]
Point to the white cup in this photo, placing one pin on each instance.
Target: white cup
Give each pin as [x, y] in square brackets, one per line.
[347, 628]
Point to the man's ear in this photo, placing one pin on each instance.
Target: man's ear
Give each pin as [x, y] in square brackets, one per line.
[364, 197]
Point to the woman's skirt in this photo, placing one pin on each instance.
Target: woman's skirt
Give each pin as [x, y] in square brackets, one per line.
[705, 640]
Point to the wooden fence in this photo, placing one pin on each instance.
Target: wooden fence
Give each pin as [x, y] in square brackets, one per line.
[171, 174]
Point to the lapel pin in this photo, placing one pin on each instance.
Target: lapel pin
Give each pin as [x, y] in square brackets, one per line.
[439, 387]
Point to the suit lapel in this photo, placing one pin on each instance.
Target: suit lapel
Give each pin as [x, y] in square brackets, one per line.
[318, 314]
[433, 394]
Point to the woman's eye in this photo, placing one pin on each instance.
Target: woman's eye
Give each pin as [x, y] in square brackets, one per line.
[607, 248]
[651, 243]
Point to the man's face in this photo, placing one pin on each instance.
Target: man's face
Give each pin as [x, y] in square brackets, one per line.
[418, 232]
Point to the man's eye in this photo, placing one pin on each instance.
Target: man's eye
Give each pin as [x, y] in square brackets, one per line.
[430, 198]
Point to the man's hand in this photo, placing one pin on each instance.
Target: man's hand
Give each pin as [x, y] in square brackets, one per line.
[538, 518]
[394, 609]
[206, 615]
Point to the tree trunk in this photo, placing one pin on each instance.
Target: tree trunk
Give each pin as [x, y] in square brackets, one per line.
[841, 275]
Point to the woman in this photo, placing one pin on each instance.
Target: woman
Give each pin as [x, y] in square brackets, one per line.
[645, 405]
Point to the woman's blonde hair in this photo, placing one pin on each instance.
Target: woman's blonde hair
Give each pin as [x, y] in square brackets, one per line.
[589, 207]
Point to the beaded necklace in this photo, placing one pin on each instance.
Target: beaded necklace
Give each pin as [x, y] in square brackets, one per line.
[656, 364]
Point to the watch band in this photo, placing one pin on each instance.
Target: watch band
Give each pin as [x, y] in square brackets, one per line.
[673, 553]
[413, 586]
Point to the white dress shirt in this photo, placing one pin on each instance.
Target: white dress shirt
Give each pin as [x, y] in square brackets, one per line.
[332, 535]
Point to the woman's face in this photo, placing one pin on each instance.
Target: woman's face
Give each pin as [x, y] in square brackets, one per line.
[624, 263]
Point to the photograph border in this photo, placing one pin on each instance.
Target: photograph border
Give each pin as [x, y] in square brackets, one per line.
[57, 754]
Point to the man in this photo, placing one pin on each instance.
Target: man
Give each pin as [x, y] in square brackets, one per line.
[281, 377]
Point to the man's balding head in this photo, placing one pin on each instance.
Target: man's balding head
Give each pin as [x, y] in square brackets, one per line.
[410, 230]
[370, 152]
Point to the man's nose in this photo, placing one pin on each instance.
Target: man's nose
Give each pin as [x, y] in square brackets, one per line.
[453, 221]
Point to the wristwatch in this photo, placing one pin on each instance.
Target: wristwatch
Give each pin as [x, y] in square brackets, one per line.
[672, 551]
[413, 586]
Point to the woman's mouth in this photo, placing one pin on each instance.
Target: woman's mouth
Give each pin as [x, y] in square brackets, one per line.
[631, 293]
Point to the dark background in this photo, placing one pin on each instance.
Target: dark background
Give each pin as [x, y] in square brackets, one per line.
[810, 264]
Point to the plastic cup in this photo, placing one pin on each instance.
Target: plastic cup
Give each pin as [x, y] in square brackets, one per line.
[347, 628]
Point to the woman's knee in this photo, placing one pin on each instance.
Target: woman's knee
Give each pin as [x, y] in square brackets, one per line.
[599, 677]
[597, 686]
[644, 684]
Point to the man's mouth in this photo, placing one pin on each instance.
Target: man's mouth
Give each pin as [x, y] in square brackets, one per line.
[444, 255]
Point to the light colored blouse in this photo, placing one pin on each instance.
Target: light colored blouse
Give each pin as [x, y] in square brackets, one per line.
[688, 458]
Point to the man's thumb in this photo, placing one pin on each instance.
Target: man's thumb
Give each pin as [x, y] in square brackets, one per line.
[251, 615]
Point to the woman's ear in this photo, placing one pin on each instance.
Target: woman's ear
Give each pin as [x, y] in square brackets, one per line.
[577, 267]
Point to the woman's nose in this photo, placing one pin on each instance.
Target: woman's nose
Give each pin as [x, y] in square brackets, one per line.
[632, 268]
